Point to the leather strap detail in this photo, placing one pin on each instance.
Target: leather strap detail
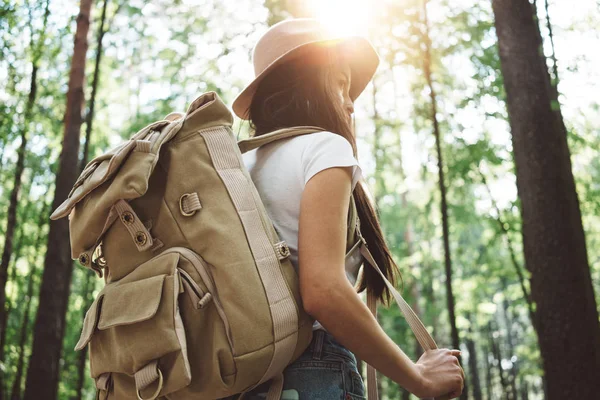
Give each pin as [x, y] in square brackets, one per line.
[140, 235]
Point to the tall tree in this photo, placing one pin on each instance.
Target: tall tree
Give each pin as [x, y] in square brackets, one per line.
[553, 237]
[42, 374]
[37, 47]
[442, 184]
[89, 279]
[473, 362]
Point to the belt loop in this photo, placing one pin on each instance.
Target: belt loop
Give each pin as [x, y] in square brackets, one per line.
[317, 350]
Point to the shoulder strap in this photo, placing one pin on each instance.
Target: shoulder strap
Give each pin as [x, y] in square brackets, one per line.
[423, 337]
[255, 142]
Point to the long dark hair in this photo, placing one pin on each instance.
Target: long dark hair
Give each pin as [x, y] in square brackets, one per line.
[300, 93]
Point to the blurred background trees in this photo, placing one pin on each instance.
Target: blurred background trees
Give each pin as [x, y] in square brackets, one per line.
[484, 166]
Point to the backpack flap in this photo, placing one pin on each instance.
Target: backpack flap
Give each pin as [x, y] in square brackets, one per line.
[123, 174]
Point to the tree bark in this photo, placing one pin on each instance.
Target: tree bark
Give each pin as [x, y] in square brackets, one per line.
[42, 375]
[442, 186]
[553, 237]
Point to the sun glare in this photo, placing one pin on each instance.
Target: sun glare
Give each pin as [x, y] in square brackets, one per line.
[343, 17]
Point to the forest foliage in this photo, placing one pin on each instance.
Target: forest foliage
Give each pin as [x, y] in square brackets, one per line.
[157, 56]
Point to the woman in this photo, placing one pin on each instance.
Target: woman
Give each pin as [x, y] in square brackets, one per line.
[305, 76]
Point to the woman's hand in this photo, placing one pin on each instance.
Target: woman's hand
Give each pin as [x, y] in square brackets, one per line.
[441, 374]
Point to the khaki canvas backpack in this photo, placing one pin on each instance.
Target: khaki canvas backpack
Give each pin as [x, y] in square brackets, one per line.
[200, 299]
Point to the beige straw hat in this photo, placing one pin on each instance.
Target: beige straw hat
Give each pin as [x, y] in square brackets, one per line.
[294, 38]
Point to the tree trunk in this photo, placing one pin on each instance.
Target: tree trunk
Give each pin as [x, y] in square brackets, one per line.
[442, 186]
[553, 237]
[17, 382]
[12, 278]
[42, 375]
[489, 386]
[511, 350]
[511, 251]
[495, 346]
[82, 355]
[90, 116]
[36, 49]
[378, 151]
[11, 218]
[553, 55]
[89, 279]
[473, 364]
[524, 390]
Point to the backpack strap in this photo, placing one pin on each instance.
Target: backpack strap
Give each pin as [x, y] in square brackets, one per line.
[257, 141]
[423, 337]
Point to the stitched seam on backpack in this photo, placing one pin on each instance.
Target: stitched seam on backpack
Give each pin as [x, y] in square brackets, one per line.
[175, 221]
[295, 332]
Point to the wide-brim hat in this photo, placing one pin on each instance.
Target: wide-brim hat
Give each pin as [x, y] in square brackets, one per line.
[302, 37]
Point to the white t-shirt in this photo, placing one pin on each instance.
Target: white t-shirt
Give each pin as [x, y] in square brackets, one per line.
[281, 169]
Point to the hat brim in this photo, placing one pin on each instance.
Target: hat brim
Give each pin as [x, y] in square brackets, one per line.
[359, 53]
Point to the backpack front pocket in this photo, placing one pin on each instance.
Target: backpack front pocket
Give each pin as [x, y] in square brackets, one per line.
[134, 327]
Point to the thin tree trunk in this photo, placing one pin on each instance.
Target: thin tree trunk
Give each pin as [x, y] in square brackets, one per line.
[88, 286]
[12, 278]
[17, 382]
[95, 78]
[442, 186]
[524, 390]
[473, 363]
[82, 355]
[36, 49]
[42, 375]
[553, 55]
[489, 388]
[495, 346]
[513, 257]
[380, 188]
[553, 237]
[509, 339]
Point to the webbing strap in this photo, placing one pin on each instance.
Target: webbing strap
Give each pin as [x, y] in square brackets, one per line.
[146, 375]
[371, 371]
[255, 142]
[189, 203]
[276, 387]
[421, 333]
[228, 164]
[103, 381]
[423, 336]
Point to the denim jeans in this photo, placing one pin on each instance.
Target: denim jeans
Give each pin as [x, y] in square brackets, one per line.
[325, 371]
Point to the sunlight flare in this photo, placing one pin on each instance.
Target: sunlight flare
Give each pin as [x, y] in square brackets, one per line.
[343, 17]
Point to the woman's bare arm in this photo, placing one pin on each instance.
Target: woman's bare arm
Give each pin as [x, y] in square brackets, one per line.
[326, 292]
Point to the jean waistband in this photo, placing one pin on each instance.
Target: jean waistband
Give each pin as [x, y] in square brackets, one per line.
[324, 342]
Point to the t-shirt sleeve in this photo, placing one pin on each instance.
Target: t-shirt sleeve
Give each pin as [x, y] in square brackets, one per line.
[327, 150]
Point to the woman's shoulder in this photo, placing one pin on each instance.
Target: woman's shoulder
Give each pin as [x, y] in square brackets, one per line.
[323, 141]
